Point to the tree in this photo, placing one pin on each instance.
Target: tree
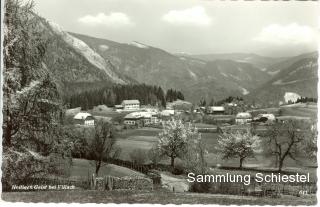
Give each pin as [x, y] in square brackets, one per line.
[32, 112]
[286, 139]
[103, 145]
[238, 145]
[194, 155]
[174, 138]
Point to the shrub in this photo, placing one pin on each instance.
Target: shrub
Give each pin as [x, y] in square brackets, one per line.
[200, 187]
[178, 169]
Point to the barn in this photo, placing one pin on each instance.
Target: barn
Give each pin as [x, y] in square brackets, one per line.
[243, 118]
[84, 118]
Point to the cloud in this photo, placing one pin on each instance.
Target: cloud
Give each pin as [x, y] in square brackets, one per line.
[195, 16]
[114, 19]
[286, 34]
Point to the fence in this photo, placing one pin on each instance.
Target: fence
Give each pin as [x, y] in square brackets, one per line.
[114, 183]
[143, 168]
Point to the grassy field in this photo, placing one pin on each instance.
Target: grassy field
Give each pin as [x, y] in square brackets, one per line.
[145, 138]
[157, 196]
[82, 168]
[300, 110]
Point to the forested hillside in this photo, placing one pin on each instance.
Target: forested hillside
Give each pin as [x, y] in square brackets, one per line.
[147, 95]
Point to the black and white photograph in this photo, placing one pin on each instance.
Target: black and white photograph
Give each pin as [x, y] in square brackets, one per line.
[159, 102]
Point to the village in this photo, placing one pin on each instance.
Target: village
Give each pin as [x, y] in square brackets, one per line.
[135, 115]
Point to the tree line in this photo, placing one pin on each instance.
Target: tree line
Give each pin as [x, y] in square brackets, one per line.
[113, 95]
[306, 100]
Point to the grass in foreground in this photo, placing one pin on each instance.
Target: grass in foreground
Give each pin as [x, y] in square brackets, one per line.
[160, 197]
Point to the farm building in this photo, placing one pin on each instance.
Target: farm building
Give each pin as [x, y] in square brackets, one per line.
[243, 118]
[142, 118]
[133, 119]
[130, 105]
[216, 110]
[83, 118]
[167, 113]
[118, 107]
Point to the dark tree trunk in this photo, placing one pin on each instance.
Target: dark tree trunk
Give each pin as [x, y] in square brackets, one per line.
[241, 161]
[7, 137]
[98, 165]
[172, 162]
[281, 164]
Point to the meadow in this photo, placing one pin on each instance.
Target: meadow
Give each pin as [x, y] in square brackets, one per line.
[145, 138]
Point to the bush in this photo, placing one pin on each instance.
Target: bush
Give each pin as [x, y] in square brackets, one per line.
[178, 169]
[203, 187]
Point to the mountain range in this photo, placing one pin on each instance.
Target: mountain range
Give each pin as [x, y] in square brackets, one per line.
[80, 62]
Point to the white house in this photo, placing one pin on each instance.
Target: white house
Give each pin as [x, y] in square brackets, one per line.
[216, 110]
[131, 105]
[243, 118]
[84, 118]
[167, 112]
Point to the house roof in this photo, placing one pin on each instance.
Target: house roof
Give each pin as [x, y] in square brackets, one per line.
[243, 115]
[133, 116]
[138, 115]
[217, 108]
[131, 102]
[82, 115]
[167, 112]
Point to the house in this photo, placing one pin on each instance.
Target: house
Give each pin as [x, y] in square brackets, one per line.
[243, 118]
[167, 112]
[83, 118]
[218, 110]
[131, 105]
[133, 119]
[118, 108]
[141, 118]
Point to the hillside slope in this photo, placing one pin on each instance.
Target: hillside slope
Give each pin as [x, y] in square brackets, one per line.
[70, 61]
[259, 61]
[196, 78]
[300, 77]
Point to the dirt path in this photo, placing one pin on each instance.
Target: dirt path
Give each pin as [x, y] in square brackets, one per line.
[174, 184]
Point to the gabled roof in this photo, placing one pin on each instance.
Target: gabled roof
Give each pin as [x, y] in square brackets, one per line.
[82, 115]
[131, 102]
[243, 115]
[217, 108]
[138, 115]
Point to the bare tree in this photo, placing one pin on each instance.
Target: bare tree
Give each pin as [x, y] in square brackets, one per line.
[285, 139]
[103, 145]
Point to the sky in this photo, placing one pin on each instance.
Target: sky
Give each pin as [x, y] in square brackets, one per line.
[274, 28]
